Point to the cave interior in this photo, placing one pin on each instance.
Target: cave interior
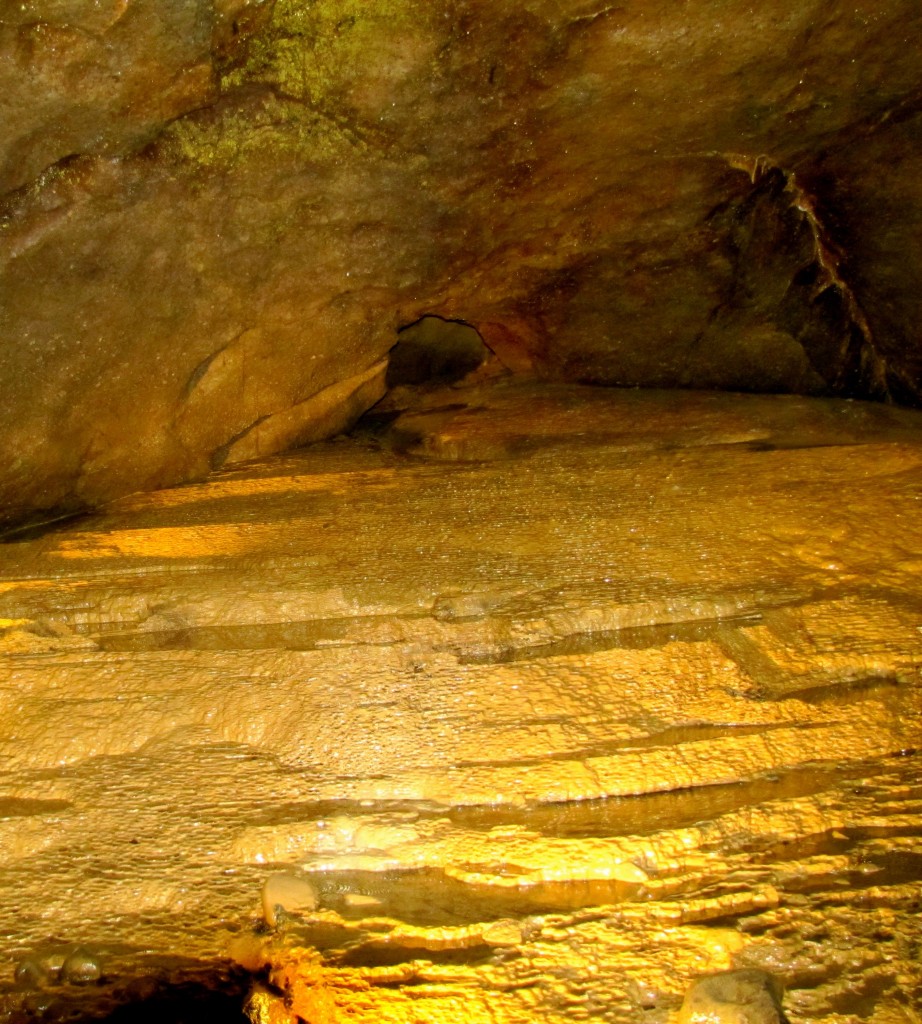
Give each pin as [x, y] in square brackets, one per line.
[460, 535]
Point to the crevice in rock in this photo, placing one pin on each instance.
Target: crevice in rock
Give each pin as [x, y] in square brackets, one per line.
[202, 368]
[220, 454]
[788, 276]
[40, 525]
[35, 210]
[871, 369]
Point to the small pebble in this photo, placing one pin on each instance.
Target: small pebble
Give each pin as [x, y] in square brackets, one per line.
[30, 974]
[288, 893]
[361, 899]
[734, 997]
[80, 968]
[53, 964]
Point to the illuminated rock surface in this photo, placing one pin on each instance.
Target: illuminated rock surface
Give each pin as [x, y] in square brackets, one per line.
[214, 211]
[559, 699]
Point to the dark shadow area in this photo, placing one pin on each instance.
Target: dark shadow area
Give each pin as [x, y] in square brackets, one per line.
[197, 996]
[35, 528]
[182, 1004]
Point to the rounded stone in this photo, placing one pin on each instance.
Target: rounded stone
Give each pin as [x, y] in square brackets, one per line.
[80, 968]
[734, 997]
[502, 933]
[361, 899]
[30, 973]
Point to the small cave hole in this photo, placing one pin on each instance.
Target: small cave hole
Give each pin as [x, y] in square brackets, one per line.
[434, 350]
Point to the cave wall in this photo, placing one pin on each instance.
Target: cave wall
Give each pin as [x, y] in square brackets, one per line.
[216, 215]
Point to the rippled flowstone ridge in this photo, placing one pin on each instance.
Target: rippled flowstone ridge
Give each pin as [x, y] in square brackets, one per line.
[556, 699]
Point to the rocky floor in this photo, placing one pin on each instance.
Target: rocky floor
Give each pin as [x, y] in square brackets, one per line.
[561, 698]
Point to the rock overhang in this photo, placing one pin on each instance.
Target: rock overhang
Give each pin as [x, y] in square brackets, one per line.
[217, 212]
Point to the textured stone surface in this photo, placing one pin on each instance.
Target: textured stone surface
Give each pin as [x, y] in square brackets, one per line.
[733, 997]
[557, 698]
[101, 77]
[220, 210]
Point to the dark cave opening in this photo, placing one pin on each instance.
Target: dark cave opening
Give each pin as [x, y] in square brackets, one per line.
[435, 350]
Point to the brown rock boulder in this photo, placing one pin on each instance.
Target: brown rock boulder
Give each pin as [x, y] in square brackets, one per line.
[734, 997]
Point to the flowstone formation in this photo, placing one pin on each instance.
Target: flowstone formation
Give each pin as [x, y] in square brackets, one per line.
[216, 214]
[521, 704]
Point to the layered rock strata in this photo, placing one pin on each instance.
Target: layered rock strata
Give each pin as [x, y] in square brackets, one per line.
[555, 699]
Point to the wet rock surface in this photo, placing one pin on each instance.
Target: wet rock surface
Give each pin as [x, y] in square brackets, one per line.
[213, 212]
[552, 722]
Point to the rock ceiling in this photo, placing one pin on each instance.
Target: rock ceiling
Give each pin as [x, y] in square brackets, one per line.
[215, 216]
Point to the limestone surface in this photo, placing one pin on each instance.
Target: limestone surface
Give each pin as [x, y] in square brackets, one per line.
[554, 699]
